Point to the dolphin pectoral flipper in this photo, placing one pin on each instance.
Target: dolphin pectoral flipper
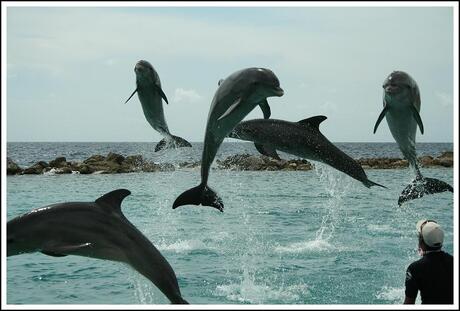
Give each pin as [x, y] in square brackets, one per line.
[112, 200]
[417, 118]
[159, 90]
[63, 250]
[265, 109]
[231, 108]
[131, 95]
[313, 121]
[267, 151]
[380, 118]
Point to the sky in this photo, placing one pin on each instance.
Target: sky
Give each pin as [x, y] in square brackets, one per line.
[70, 69]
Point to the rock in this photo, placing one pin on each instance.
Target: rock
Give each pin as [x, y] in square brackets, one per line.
[425, 161]
[446, 159]
[114, 157]
[189, 164]
[84, 169]
[37, 168]
[166, 167]
[134, 160]
[150, 167]
[58, 162]
[94, 158]
[447, 154]
[12, 168]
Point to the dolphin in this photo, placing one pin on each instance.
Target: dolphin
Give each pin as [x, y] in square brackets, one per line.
[302, 139]
[92, 229]
[401, 108]
[148, 88]
[235, 97]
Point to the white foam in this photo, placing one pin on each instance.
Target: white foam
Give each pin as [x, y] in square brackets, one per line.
[379, 228]
[249, 292]
[393, 294]
[53, 171]
[317, 245]
[182, 246]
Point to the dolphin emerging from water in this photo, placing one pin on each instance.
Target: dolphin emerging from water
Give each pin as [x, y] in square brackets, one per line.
[92, 229]
[302, 139]
[235, 97]
[401, 107]
[150, 95]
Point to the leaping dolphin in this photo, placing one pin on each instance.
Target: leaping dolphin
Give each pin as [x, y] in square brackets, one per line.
[148, 88]
[235, 97]
[401, 107]
[302, 139]
[92, 229]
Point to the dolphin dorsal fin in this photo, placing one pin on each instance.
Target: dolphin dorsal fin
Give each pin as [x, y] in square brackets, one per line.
[113, 199]
[313, 121]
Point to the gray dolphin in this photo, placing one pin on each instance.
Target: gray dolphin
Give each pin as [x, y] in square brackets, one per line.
[148, 88]
[401, 107]
[92, 229]
[302, 139]
[235, 97]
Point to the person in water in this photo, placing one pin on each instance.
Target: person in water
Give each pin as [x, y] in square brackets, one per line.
[432, 274]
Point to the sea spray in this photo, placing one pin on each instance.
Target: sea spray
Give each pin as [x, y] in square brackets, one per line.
[337, 187]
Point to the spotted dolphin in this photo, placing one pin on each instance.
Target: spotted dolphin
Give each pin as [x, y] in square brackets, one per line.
[401, 108]
[302, 139]
[235, 97]
[148, 88]
[92, 229]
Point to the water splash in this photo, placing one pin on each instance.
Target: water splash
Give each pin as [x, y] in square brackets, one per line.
[317, 245]
[391, 294]
[337, 185]
[183, 246]
[144, 291]
[253, 292]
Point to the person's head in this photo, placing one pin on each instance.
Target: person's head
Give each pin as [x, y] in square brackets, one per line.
[430, 235]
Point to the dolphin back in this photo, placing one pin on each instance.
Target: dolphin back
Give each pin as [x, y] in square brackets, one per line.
[172, 142]
[199, 195]
[421, 186]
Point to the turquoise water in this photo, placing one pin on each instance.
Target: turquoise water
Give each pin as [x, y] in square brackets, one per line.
[314, 237]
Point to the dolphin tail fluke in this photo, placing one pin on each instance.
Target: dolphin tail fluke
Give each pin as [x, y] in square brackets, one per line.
[421, 186]
[199, 195]
[369, 183]
[172, 142]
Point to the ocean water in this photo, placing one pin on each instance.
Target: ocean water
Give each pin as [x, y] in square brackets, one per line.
[312, 237]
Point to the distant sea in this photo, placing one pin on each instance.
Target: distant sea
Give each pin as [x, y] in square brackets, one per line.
[285, 237]
[26, 154]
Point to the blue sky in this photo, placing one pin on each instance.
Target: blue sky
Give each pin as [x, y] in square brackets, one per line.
[69, 70]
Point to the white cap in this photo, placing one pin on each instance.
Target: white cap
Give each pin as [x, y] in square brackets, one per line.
[431, 232]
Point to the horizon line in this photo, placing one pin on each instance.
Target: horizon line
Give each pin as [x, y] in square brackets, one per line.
[238, 142]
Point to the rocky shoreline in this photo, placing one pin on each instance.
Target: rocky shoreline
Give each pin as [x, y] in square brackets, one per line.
[115, 163]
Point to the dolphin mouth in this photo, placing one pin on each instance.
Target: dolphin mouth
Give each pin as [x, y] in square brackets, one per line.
[278, 91]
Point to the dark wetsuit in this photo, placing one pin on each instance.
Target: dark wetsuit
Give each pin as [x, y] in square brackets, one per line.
[433, 276]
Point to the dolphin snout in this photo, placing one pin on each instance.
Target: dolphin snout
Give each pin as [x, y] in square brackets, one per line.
[391, 89]
[278, 91]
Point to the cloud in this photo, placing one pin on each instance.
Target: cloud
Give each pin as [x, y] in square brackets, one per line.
[191, 96]
[329, 106]
[444, 99]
